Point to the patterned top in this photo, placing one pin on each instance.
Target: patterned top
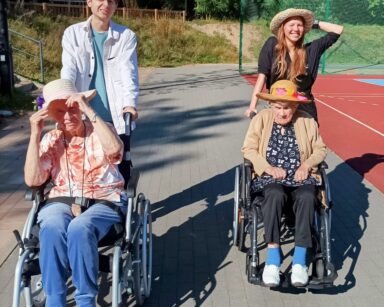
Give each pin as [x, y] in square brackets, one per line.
[89, 172]
[282, 151]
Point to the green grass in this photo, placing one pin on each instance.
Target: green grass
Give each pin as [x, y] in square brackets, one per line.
[164, 43]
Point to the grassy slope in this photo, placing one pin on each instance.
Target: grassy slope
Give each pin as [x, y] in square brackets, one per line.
[164, 43]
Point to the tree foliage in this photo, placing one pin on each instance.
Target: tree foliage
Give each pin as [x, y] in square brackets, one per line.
[221, 9]
[342, 11]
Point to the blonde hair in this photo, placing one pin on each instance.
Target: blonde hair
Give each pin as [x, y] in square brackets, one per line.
[299, 59]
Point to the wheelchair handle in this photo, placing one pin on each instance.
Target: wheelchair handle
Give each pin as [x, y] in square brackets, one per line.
[127, 120]
[20, 242]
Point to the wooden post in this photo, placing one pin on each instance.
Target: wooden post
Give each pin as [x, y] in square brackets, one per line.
[44, 8]
[184, 14]
[125, 15]
[156, 15]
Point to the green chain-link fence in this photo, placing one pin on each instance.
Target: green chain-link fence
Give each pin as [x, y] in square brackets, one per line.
[358, 51]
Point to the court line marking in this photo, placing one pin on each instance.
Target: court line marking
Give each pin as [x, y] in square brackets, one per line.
[350, 117]
[349, 94]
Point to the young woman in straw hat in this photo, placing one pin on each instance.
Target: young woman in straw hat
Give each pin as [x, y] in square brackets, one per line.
[285, 56]
[285, 148]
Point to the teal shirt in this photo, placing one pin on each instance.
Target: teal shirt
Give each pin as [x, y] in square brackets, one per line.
[100, 102]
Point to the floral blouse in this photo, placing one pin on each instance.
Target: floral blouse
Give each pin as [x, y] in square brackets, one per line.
[81, 169]
[283, 152]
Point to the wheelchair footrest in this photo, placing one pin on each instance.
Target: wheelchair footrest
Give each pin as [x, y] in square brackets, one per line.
[254, 275]
[319, 283]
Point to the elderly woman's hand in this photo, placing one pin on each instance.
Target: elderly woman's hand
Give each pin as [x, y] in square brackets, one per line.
[276, 172]
[37, 121]
[302, 173]
[78, 100]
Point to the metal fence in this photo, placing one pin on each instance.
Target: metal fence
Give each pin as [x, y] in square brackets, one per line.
[359, 49]
[78, 9]
[30, 51]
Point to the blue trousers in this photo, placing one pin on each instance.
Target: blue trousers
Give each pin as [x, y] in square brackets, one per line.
[69, 244]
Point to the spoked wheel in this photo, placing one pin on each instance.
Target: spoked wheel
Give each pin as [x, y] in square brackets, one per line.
[147, 248]
[236, 206]
[142, 275]
[138, 287]
[37, 292]
[241, 230]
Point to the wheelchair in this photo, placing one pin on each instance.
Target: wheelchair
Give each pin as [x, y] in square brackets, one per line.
[248, 220]
[130, 263]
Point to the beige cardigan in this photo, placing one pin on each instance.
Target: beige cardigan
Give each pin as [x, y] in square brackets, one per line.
[311, 146]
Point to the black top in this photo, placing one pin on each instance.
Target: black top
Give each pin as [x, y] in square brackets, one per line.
[314, 51]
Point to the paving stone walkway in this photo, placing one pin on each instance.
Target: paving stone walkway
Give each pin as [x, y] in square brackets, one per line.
[187, 145]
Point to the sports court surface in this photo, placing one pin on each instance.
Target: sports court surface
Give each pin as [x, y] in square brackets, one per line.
[351, 116]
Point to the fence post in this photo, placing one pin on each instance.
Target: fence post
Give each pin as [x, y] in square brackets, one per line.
[44, 8]
[155, 14]
[326, 17]
[184, 13]
[41, 61]
[125, 15]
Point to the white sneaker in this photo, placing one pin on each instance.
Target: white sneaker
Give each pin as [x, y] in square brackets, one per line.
[271, 275]
[299, 276]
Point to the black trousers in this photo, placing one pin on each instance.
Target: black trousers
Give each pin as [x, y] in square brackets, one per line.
[125, 165]
[304, 200]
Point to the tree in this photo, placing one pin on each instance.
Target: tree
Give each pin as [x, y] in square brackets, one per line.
[217, 8]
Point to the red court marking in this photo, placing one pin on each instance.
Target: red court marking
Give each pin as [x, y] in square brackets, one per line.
[352, 122]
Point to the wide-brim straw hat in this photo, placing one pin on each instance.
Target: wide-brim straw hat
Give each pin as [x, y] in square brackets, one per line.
[62, 89]
[282, 16]
[285, 91]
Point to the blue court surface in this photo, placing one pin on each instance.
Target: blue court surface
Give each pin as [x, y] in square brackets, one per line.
[379, 82]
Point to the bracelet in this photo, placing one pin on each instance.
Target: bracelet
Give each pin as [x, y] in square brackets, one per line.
[316, 24]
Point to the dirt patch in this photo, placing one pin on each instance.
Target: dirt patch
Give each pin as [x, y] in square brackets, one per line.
[231, 31]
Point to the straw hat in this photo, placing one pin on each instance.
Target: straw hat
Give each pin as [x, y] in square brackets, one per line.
[62, 89]
[279, 18]
[284, 90]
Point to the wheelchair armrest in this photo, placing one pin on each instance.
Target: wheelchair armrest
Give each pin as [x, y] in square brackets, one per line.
[132, 183]
[33, 193]
[323, 165]
[248, 163]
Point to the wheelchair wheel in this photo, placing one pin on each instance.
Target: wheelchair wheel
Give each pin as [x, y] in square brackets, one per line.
[138, 287]
[37, 292]
[241, 231]
[236, 206]
[147, 248]
[142, 272]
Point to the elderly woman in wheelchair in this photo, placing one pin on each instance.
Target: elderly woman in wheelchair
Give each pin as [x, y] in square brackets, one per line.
[284, 147]
[80, 158]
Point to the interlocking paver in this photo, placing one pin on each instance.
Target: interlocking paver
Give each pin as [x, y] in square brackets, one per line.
[187, 145]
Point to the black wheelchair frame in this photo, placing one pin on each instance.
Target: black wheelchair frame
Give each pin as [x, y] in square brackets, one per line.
[131, 260]
[248, 221]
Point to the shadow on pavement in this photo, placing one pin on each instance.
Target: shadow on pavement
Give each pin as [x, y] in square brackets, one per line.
[187, 257]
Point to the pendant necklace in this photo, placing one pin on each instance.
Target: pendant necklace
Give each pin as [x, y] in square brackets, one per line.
[76, 206]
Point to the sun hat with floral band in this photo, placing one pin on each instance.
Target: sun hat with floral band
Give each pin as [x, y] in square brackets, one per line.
[62, 89]
[285, 91]
[280, 17]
